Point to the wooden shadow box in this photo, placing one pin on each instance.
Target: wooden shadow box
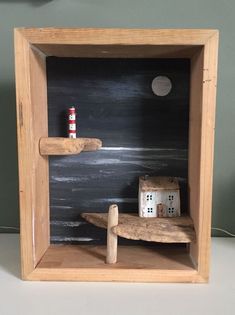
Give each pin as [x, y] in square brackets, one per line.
[112, 66]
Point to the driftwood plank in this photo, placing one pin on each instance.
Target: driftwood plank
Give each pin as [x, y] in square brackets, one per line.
[112, 240]
[164, 230]
[67, 146]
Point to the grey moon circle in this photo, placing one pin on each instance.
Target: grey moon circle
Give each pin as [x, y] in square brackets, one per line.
[161, 85]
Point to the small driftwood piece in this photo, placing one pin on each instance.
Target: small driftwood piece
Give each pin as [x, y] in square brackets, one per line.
[112, 238]
[164, 230]
[67, 146]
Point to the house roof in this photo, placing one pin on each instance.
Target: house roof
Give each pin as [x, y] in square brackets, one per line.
[154, 183]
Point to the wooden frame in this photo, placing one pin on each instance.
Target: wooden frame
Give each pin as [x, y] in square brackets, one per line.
[31, 48]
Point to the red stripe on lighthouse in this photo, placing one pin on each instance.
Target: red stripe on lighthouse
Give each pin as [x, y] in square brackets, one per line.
[72, 122]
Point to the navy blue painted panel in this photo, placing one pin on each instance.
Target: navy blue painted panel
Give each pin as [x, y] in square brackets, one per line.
[141, 133]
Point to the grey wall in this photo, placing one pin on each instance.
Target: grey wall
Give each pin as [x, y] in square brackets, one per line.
[123, 13]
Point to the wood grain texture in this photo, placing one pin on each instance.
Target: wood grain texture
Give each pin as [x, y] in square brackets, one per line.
[31, 104]
[130, 274]
[118, 51]
[207, 153]
[162, 230]
[158, 183]
[68, 146]
[139, 131]
[195, 125]
[112, 240]
[201, 148]
[202, 48]
[117, 36]
[165, 263]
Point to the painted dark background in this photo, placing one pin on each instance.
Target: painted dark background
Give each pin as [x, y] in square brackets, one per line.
[142, 134]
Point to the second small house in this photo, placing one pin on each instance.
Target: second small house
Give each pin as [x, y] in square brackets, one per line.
[159, 197]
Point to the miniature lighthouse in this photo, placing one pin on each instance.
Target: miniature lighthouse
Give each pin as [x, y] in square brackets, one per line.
[72, 122]
[159, 197]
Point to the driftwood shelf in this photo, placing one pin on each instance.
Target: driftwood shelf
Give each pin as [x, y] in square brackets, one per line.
[162, 230]
[67, 146]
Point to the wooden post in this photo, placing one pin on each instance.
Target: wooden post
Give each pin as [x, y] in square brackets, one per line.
[112, 240]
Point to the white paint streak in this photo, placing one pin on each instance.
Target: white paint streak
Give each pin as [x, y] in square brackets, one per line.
[123, 200]
[79, 189]
[72, 239]
[156, 156]
[152, 165]
[63, 179]
[62, 207]
[138, 149]
[102, 161]
[67, 223]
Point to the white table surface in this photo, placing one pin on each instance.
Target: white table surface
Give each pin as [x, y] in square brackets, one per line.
[34, 298]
